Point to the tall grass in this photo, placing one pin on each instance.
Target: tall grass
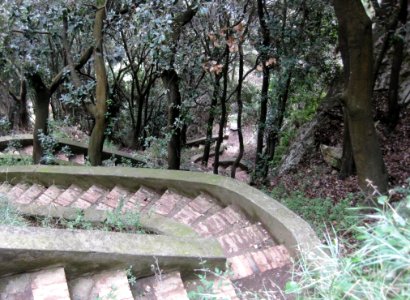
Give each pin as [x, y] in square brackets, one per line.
[378, 267]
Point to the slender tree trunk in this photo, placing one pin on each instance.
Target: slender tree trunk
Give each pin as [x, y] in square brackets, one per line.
[366, 149]
[24, 121]
[223, 110]
[171, 83]
[398, 55]
[274, 131]
[96, 143]
[240, 108]
[259, 160]
[211, 119]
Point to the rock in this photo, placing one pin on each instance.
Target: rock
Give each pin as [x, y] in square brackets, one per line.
[332, 155]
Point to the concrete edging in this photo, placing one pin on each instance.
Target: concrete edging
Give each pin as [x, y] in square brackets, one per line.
[285, 226]
[76, 147]
[24, 249]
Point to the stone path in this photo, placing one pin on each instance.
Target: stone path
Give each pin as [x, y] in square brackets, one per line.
[251, 253]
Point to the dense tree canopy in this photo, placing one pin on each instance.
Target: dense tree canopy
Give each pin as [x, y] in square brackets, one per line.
[147, 73]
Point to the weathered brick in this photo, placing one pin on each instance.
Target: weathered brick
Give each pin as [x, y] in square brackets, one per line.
[250, 237]
[187, 215]
[50, 285]
[69, 196]
[241, 267]
[5, 187]
[110, 284]
[31, 194]
[92, 195]
[49, 195]
[169, 202]
[115, 196]
[78, 159]
[166, 286]
[224, 219]
[16, 191]
[81, 204]
[202, 203]
[142, 198]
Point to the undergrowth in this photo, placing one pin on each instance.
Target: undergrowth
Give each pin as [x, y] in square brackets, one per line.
[320, 213]
[378, 267]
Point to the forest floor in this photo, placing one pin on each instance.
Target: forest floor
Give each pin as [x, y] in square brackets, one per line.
[314, 177]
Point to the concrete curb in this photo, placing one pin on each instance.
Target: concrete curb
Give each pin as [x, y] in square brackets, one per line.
[285, 226]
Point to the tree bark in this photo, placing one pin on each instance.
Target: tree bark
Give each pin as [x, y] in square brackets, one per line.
[42, 97]
[367, 154]
[240, 108]
[259, 160]
[96, 142]
[211, 119]
[398, 56]
[222, 120]
[274, 130]
[171, 83]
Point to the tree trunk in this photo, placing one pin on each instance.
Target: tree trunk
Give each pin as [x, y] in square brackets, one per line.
[240, 108]
[42, 97]
[96, 143]
[222, 121]
[259, 160]
[366, 149]
[211, 119]
[171, 83]
[347, 167]
[398, 55]
[274, 130]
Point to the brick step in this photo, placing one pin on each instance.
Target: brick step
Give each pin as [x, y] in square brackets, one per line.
[242, 240]
[42, 285]
[211, 286]
[196, 210]
[224, 221]
[105, 285]
[78, 159]
[258, 261]
[142, 200]
[170, 203]
[5, 187]
[160, 287]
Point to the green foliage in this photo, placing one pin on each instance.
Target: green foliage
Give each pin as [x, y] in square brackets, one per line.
[49, 145]
[379, 268]
[5, 126]
[15, 160]
[9, 215]
[320, 213]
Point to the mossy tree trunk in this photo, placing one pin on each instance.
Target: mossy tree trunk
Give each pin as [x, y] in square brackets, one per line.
[357, 28]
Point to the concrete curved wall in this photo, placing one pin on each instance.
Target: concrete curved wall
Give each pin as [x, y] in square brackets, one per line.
[284, 225]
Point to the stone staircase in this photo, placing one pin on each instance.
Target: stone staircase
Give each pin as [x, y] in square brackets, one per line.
[252, 254]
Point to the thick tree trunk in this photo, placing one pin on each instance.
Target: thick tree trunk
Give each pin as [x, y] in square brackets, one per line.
[42, 97]
[347, 167]
[171, 83]
[366, 149]
[96, 143]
